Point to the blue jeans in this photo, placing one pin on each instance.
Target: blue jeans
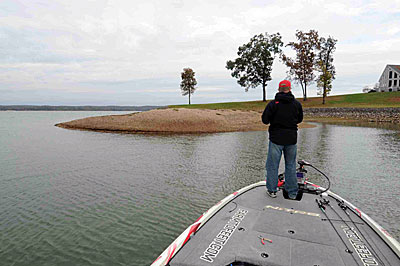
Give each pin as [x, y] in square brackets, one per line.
[272, 165]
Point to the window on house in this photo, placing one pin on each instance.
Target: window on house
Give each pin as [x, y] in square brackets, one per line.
[390, 83]
[390, 74]
[395, 75]
[395, 83]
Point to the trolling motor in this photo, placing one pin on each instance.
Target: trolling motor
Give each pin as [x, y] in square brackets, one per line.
[303, 186]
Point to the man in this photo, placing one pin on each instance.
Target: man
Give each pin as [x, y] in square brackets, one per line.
[283, 114]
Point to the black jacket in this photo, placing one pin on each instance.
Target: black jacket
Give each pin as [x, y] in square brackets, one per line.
[283, 114]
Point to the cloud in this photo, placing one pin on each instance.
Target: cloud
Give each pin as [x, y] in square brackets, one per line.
[133, 51]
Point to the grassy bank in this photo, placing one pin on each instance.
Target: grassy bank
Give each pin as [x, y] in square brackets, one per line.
[366, 100]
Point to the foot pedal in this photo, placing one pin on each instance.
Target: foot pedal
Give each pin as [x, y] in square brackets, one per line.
[298, 197]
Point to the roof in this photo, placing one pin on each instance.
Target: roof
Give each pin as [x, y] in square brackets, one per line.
[395, 67]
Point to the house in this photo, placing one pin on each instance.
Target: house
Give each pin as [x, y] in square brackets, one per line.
[390, 79]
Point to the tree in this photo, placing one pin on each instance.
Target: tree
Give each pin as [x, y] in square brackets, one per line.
[301, 69]
[188, 82]
[254, 64]
[325, 66]
[324, 81]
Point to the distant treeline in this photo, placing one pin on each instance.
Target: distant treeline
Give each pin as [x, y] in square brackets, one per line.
[74, 108]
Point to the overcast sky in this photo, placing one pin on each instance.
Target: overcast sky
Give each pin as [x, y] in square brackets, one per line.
[128, 52]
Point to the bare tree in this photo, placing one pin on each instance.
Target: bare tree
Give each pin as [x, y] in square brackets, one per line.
[301, 68]
[188, 82]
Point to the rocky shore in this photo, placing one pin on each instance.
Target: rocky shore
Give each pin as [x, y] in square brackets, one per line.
[384, 115]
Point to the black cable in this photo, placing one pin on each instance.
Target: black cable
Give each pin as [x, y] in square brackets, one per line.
[327, 178]
[233, 208]
[304, 163]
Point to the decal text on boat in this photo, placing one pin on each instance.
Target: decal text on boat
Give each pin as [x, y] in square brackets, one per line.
[361, 249]
[223, 236]
[291, 210]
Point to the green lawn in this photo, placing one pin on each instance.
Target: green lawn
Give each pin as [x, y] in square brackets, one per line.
[373, 100]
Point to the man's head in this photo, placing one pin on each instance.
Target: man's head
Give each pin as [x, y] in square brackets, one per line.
[285, 86]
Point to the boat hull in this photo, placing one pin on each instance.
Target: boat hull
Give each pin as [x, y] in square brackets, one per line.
[250, 227]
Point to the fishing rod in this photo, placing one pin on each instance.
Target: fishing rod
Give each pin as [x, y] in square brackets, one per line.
[321, 205]
[325, 202]
[344, 207]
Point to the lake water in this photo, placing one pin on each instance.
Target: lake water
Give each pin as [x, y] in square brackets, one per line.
[88, 198]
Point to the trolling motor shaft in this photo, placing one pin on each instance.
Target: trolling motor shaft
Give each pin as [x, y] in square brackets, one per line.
[303, 187]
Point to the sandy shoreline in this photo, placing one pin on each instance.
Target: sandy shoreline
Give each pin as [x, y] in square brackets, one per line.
[174, 120]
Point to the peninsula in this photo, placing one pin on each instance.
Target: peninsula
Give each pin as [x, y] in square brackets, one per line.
[244, 116]
[174, 120]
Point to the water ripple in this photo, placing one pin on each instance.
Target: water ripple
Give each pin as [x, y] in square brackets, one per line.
[87, 198]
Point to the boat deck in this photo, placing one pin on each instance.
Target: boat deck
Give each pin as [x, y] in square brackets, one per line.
[294, 232]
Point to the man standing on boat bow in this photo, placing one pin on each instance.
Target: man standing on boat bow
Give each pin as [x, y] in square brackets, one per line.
[283, 114]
